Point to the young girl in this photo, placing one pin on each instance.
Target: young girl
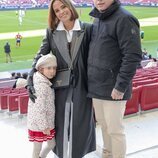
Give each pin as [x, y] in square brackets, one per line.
[40, 119]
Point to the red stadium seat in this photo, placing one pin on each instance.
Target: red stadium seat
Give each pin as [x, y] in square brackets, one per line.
[149, 97]
[15, 90]
[13, 103]
[140, 79]
[23, 104]
[3, 101]
[132, 105]
[153, 77]
[22, 90]
[144, 82]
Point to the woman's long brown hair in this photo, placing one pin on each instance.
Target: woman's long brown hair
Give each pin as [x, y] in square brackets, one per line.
[53, 20]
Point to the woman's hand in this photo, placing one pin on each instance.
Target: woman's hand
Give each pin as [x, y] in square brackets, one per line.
[30, 86]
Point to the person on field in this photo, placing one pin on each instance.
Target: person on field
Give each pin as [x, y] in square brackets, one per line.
[7, 51]
[18, 40]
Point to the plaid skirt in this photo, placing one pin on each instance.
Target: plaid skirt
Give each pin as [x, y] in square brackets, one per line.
[37, 136]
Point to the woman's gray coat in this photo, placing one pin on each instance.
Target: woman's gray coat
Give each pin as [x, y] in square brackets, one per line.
[82, 133]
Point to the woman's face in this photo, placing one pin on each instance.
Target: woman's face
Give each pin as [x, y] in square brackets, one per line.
[61, 11]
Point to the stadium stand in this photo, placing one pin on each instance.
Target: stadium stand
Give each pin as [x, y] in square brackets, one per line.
[14, 101]
[16, 4]
[144, 94]
[145, 90]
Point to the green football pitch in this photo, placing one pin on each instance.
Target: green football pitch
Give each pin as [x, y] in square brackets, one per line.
[37, 19]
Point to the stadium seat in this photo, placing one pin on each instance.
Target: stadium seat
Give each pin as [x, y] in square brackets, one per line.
[22, 90]
[15, 90]
[144, 82]
[140, 79]
[23, 105]
[132, 105]
[3, 101]
[149, 97]
[153, 77]
[13, 103]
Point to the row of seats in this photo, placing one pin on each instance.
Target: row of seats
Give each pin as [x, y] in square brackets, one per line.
[145, 90]
[14, 101]
[144, 97]
[145, 76]
[144, 82]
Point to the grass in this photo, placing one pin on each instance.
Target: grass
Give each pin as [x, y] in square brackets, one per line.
[150, 33]
[19, 65]
[151, 47]
[37, 19]
[27, 50]
[143, 12]
[150, 41]
[34, 19]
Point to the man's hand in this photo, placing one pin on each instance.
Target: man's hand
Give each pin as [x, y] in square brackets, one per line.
[117, 95]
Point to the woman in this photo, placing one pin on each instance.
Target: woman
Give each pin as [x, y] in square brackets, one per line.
[68, 39]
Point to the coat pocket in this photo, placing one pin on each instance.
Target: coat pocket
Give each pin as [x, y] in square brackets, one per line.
[103, 77]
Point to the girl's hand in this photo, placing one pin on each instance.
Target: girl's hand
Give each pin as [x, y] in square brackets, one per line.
[46, 131]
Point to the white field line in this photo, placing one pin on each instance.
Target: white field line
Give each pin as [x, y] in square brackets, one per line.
[148, 22]
[36, 33]
[25, 34]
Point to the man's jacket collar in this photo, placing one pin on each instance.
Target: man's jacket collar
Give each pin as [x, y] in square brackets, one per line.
[109, 11]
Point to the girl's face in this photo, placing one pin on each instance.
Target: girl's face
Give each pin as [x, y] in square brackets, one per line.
[62, 12]
[49, 72]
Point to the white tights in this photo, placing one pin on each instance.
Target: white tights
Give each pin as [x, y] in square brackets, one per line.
[39, 152]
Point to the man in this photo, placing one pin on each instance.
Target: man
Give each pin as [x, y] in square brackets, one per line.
[114, 54]
[21, 14]
[18, 39]
[7, 51]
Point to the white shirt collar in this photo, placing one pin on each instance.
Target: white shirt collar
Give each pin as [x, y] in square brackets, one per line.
[69, 33]
[75, 28]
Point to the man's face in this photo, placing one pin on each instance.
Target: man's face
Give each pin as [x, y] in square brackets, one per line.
[102, 5]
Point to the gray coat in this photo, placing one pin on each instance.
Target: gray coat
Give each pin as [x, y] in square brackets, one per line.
[83, 127]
